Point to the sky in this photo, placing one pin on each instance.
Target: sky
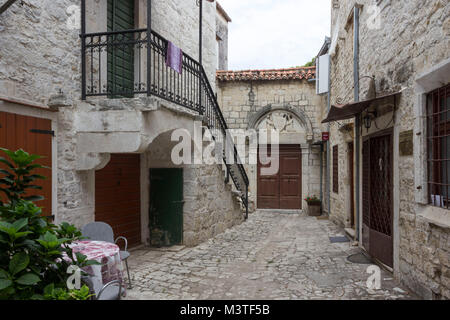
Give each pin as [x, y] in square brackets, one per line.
[267, 34]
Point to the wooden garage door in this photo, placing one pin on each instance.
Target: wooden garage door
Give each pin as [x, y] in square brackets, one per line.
[117, 196]
[282, 190]
[34, 136]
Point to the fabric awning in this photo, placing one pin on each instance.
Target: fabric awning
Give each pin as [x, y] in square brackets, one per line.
[349, 110]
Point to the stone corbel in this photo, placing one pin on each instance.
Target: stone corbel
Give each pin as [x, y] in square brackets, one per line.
[59, 100]
[92, 161]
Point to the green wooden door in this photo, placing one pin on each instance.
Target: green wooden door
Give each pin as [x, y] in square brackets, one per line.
[166, 207]
[121, 56]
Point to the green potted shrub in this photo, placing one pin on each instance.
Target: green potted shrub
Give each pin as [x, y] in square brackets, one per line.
[32, 250]
[314, 206]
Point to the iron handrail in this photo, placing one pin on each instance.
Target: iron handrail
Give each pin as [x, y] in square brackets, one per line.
[191, 89]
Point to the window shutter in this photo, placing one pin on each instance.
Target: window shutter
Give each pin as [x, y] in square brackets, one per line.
[335, 169]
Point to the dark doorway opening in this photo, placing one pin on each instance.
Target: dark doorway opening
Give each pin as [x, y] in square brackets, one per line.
[166, 207]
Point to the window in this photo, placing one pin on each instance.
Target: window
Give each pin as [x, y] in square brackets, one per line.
[438, 146]
[218, 52]
[335, 169]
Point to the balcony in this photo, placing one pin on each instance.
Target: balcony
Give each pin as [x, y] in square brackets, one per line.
[129, 63]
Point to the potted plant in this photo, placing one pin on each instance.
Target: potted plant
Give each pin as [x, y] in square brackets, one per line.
[314, 206]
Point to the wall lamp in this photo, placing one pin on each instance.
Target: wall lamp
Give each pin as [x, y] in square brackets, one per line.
[368, 118]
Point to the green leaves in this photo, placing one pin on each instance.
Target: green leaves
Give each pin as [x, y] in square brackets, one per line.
[12, 229]
[32, 250]
[18, 263]
[28, 279]
[20, 157]
[19, 224]
[5, 283]
[19, 177]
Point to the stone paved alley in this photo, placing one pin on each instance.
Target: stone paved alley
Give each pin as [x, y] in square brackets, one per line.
[271, 256]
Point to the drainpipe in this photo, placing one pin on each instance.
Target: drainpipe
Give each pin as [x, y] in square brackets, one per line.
[358, 116]
[329, 141]
[200, 55]
[6, 5]
[321, 173]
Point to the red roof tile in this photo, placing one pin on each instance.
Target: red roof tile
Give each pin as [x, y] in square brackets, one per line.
[270, 74]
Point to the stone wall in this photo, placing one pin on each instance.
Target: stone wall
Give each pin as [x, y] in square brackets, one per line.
[293, 96]
[412, 37]
[222, 38]
[233, 97]
[76, 189]
[210, 206]
[40, 54]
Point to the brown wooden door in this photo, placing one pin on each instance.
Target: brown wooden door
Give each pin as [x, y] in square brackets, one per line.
[268, 186]
[118, 198]
[282, 190]
[33, 135]
[352, 183]
[378, 200]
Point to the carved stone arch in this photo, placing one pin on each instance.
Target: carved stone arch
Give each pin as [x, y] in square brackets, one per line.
[257, 117]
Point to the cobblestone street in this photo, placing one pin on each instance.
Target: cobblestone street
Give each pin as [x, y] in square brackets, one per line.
[271, 256]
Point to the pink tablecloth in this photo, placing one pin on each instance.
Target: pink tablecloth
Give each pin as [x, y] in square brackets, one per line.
[108, 254]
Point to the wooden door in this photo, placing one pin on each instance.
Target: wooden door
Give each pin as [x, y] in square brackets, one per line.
[33, 135]
[378, 196]
[268, 185]
[166, 207]
[118, 197]
[290, 177]
[121, 57]
[352, 183]
[283, 190]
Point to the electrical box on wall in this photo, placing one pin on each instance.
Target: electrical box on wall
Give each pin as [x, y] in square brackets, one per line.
[322, 74]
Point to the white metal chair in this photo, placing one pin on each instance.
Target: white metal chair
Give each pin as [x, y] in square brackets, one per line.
[110, 291]
[101, 231]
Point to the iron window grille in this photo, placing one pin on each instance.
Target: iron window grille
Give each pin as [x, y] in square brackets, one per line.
[438, 146]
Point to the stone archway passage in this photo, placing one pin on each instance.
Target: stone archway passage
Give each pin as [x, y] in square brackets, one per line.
[282, 190]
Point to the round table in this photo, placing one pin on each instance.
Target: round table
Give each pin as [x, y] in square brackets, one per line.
[108, 254]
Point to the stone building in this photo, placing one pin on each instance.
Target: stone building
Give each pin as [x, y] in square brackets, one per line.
[222, 21]
[390, 75]
[283, 100]
[103, 107]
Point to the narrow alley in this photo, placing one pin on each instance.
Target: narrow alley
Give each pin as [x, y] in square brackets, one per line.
[271, 256]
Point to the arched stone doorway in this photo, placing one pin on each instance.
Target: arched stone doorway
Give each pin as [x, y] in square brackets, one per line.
[299, 166]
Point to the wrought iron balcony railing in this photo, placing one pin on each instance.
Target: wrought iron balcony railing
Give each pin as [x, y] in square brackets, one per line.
[120, 64]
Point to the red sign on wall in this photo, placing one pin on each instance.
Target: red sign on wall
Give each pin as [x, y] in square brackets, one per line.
[325, 136]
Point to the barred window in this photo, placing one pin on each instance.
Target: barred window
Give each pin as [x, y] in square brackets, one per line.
[335, 169]
[438, 145]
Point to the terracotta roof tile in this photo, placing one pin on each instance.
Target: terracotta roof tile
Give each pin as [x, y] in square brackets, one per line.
[270, 74]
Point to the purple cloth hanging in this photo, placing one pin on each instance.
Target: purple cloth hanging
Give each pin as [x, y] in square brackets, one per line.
[174, 57]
